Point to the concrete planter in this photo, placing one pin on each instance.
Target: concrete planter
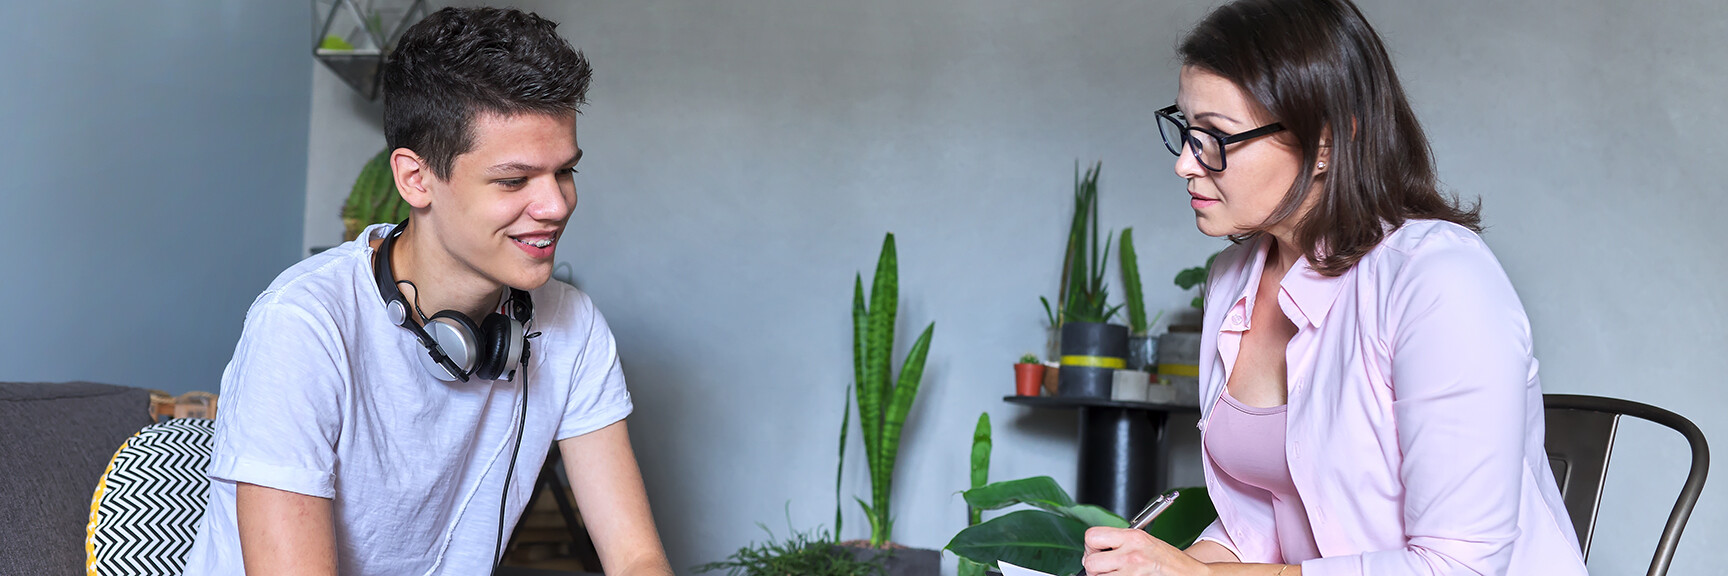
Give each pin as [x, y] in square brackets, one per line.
[1091, 353]
[902, 561]
[1179, 363]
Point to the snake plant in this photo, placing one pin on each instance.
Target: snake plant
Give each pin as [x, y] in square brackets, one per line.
[981, 445]
[374, 198]
[882, 403]
[1084, 295]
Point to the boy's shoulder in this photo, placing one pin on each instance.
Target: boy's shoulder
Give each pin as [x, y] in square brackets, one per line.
[325, 284]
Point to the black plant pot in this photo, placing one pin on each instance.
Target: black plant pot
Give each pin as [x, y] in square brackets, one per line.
[902, 561]
[1091, 353]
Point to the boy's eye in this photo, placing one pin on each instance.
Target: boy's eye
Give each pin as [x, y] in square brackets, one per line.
[514, 182]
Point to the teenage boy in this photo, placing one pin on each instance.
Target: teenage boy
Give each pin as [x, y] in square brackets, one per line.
[371, 421]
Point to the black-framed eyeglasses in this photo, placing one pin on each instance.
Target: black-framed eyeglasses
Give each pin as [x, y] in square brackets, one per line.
[1207, 145]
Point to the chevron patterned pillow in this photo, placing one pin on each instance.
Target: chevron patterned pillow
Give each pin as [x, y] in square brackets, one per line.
[147, 505]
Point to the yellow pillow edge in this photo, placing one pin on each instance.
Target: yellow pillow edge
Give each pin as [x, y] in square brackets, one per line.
[95, 503]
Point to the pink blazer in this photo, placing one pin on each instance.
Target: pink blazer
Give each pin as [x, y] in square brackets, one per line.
[1415, 432]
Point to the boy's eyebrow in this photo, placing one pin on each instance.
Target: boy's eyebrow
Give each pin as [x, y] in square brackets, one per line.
[518, 167]
[510, 167]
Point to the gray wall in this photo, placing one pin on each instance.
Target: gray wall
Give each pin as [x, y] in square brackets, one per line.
[151, 164]
[743, 161]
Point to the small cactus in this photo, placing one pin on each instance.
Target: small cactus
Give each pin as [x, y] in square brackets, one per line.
[374, 198]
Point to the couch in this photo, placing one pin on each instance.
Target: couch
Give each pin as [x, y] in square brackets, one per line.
[55, 442]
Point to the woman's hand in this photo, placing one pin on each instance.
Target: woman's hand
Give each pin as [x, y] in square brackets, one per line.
[1128, 552]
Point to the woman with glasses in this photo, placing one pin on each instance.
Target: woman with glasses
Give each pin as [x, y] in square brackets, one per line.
[1369, 399]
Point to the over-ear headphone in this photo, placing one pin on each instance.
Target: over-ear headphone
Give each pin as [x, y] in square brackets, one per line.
[456, 348]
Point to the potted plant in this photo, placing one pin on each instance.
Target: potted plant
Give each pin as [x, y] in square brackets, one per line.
[803, 553]
[1091, 347]
[1028, 375]
[1179, 354]
[883, 404]
[374, 198]
[1142, 345]
[1050, 536]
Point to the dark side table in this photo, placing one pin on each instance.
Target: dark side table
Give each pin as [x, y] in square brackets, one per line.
[1121, 448]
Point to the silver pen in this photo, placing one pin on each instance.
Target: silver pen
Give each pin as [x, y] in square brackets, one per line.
[1147, 515]
[1153, 509]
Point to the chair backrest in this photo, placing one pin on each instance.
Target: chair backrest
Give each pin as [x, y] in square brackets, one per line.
[145, 511]
[1580, 440]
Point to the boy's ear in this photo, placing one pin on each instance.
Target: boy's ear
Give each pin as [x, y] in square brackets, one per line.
[412, 175]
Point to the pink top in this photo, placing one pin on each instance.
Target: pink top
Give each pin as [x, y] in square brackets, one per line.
[1415, 427]
[1247, 442]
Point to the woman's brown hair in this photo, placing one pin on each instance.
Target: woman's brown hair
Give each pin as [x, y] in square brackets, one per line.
[1316, 65]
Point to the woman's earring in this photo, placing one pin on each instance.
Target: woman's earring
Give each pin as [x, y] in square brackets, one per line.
[1321, 165]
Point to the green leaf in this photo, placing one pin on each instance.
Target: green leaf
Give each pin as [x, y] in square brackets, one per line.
[970, 568]
[1033, 539]
[884, 304]
[1196, 276]
[1037, 489]
[869, 513]
[1185, 519]
[981, 445]
[868, 384]
[334, 42]
[905, 392]
[840, 468]
[1131, 285]
[1091, 515]
[859, 336]
[1191, 277]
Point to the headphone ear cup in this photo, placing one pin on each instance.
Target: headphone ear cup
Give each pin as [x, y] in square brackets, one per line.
[457, 338]
[502, 346]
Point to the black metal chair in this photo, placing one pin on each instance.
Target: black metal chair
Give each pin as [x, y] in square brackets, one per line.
[1581, 438]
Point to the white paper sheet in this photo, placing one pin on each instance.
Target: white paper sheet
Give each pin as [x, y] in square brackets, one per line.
[1012, 570]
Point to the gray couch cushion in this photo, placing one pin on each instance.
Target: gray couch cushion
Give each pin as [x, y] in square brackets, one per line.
[55, 439]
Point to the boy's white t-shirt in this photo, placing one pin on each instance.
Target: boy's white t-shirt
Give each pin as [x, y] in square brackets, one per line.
[325, 397]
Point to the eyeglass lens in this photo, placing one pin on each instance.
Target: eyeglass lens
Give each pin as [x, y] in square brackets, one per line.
[1205, 147]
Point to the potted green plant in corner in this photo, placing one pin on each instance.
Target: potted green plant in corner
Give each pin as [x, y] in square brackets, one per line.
[1092, 348]
[883, 404]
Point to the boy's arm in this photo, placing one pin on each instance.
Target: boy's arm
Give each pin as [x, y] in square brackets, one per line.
[613, 502]
[285, 532]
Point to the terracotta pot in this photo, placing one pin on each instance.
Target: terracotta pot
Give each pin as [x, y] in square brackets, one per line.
[1027, 379]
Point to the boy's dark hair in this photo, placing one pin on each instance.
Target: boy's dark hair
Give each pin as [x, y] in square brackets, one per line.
[460, 62]
[1316, 65]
